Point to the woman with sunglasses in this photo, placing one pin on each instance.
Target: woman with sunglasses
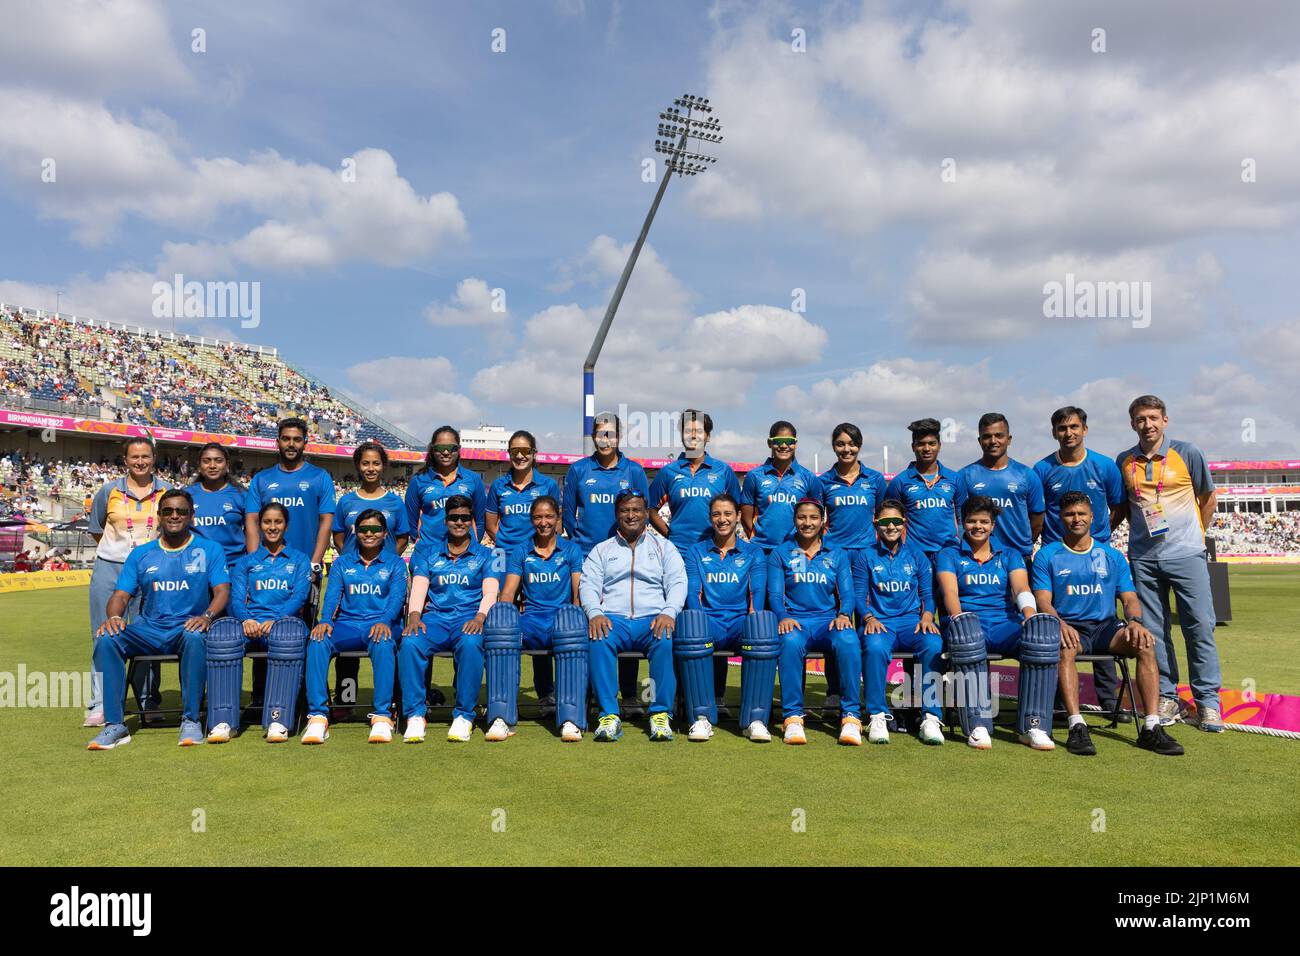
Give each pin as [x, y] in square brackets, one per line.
[769, 493]
[453, 586]
[370, 459]
[896, 609]
[268, 589]
[810, 588]
[219, 502]
[363, 602]
[442, 477]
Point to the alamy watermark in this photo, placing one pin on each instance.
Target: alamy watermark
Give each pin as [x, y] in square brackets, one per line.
[1086, 299]
[66, 689]
[179, 299]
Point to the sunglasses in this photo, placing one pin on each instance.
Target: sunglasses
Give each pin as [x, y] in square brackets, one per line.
[459, 519]
[521, 452]
[890, 522]
[446, 448]
[182, 512]
[626, 494]
[782, 441]
[370, 529]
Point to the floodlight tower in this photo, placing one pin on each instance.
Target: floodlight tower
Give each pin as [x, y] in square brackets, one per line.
[680, 124]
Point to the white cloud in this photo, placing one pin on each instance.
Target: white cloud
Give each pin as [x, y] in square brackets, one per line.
[756, 337]
[471, 305]
[389, 376]
[414, 393]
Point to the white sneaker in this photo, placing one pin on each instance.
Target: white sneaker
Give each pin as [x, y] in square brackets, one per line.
[499, 730]
[851, 731]
[415, 727]
[570, 733]
[931, 731]
[794, 731]
[1038, 740]
[758, 732]
[980, 739]
[700, 730]
[219, 734]
[317, 731]
[878, 729]
[381, 729]
[461, 730]
[277, 733]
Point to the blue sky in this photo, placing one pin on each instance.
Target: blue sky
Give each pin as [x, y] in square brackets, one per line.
[521, 171]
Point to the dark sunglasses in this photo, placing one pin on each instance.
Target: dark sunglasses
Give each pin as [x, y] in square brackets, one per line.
[459, 518]
[183, 512]
[890, 522]
[370, 529]
[627, 493]
[522, 452]
[782, 441]
[445, 448]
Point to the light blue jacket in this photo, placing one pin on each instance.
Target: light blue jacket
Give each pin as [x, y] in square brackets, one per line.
[644, 581]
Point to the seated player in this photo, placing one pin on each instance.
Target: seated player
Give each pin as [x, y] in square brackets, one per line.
[363, 602]
[544, 572]
[726, 582]
[988, 607]
[184, 585]
[268, 589]
[454, 584]
[1078, 579]
[633, 585]
[893, 578]
[810, 588]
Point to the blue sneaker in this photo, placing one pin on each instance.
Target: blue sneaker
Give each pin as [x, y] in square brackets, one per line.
[609, 729]
[1209, 719]
[191, 733]
[114, 735]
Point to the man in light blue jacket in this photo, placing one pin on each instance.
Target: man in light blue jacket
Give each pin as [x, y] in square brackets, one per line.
[632, 587]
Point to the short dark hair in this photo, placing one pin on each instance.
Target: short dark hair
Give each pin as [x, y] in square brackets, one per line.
[695, 415]
[847, 428]
[367, 515]
[604, 418]
[1071, 498]
[782, 425]
[139, 440]
[458, 501]
[924, 428]
[274, 506]
[1069, 411]
[725, 498]
[366, 446]
[815, 502]
[298, 423]
[544, 500]
[177, 493]
[1147, 401]
[992, 418]
[977, 504]
[891, 504]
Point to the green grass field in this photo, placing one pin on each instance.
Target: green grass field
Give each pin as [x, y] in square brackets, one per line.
[1230, 801]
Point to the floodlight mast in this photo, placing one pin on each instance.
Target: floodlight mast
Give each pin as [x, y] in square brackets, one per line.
[684, 126]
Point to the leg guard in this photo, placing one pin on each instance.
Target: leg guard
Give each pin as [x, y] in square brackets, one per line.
[502, 641]
[569, 642]
[693, 648]
[1040, 652]
[286, 651]
[225, 671]
[759, 648]
[964, 637]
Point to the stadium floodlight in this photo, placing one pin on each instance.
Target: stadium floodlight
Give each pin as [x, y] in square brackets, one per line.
[689, 118]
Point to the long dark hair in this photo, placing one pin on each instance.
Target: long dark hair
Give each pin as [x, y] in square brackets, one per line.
[433, 440]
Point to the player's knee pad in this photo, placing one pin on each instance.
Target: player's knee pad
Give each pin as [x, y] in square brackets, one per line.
[286, 649]
[761, 640]
[224, 650]
[569, 642]
[1040, 651]
[502, 640]
[760, 648]
[1040, 640]
[693, 647]
[964, 637]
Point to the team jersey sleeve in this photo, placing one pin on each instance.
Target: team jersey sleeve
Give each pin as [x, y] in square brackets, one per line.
[570, 502]
[878, 486]
[325, 493]
[412, 507]
[128, 579]
[1123, 573]
[253, 497]
[333, 591]
[301, 587]
[959, 492]
[400, 525]
[776, 584]
[1040, 578]
[493, 500]
[338, 526]
[749, 490]
[758, 581]
[238, 606]
[694, 578]
[1035, 499]
[98, 511]
[515, 562]
[659, 489]
[848, 595]
[1015, 562]
[946, 561]
[925, 583]
[218, 572]
[1112, 481]
[731, 485]
[396, 590]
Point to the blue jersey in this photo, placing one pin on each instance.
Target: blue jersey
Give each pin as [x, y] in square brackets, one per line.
[306, 493]
[931, 502]
[427, 494]
[734, 583]
[546, 583]
[800, 585]
[1018, 491]
[773, 497]
[983, 586]
[360, 590]
[893, 585]
[266, 587]
[174, 585]
[350, 507]
[456, 583]
[589, 491]
[1084, 584]
[219, 517]
[851, 508]
[688, 496]
[1096, 476]
[513, 507]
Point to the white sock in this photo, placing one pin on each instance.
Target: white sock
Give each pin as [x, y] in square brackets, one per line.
[1150, 720]
[1076, 719]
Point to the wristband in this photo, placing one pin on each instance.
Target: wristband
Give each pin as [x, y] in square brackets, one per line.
[1026, 600]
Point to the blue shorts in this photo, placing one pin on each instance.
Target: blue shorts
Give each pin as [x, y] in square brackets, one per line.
[1095, 636]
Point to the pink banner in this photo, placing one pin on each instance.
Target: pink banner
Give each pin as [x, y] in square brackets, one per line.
[1254, 465]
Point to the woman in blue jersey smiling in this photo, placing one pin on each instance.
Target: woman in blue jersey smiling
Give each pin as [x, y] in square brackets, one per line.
[370, 459]
[442, 477]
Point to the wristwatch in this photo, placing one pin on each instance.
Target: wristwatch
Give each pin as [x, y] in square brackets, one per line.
[207, 615]
[316, 567]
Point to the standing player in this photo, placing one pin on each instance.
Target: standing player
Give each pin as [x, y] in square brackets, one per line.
[810, 588]
[770, 491]
[363, 602]
[441, 479]
[1078, 579]
[726, 581]
[928, 489]
[988, 605]
[370, 459]
[268, 590]
[1014, 486]
[896, 608]
[544, 573]
[590, 488]
[184, 585]
[219, 502]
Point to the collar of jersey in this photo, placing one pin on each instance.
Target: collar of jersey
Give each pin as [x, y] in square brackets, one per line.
[175, 550]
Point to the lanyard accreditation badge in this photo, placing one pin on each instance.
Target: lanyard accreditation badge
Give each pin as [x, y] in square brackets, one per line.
[1153, 512]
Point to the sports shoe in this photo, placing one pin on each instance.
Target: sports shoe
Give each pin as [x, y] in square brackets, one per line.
[317, 731]
[461, 729]
[546, 707]
[931, 731]
[1158, 741]
[851, 731]
[794, 731]
[700, 730]
[831, 708]
[94, 720]
[113, 735]
[609, 729]
[1080, 742]
[661, 731]
[980, 739]
[570, 733]
[1208, 719]
[191, 733]
[758, 732]
[878, 728]
[219, 734]
[415, 728]
[277, 733]
[381, 729]
[1170, 711]
[499, 730]
[1037, 739]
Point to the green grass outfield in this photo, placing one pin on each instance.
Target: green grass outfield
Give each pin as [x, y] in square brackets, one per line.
[1231, 800]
